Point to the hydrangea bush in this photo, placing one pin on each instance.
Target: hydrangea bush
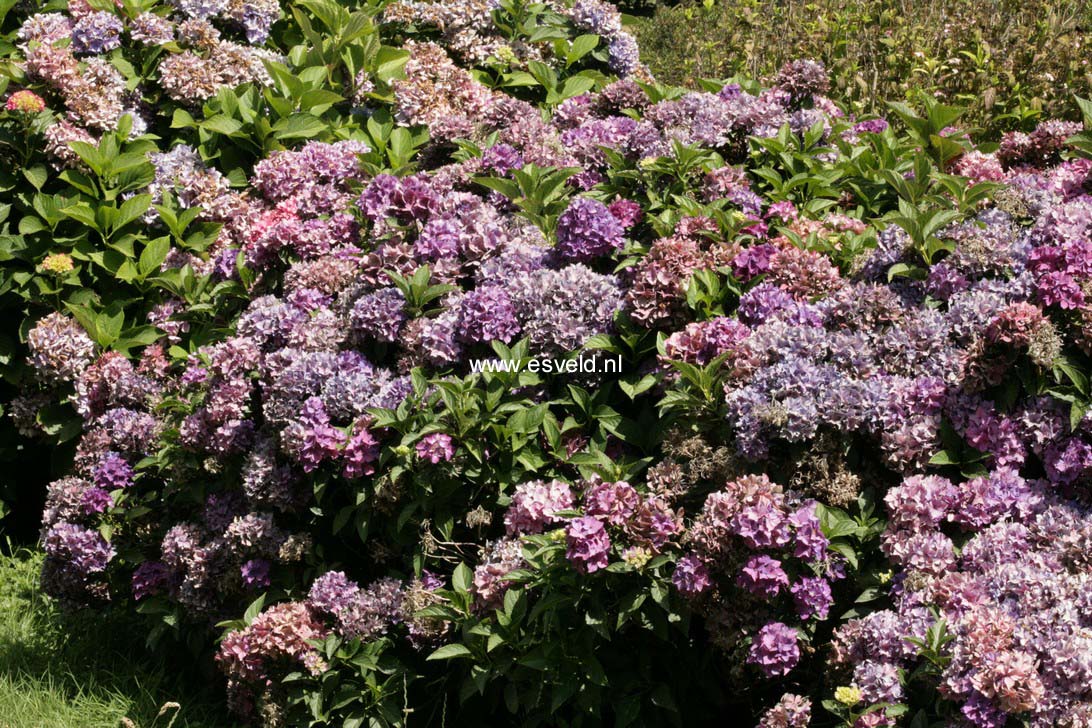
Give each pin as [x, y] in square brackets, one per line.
[841, 477]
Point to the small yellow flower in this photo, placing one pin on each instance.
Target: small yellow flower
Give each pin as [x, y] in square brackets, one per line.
[56, 263]
[848, 695]
[637, 556]
[885, 576]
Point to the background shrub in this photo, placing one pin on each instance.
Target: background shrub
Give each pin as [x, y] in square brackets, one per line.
[1009, 62]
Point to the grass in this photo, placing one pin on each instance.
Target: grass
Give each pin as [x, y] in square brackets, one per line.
[85, 671]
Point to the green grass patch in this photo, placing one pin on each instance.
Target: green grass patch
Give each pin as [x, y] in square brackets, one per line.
[86, 670]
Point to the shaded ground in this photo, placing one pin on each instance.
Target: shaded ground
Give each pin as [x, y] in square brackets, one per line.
[84, 671]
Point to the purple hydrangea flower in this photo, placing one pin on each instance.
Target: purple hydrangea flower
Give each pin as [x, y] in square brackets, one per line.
[380, 315]
[83, 549]
[775, 650]
[95, 500]
[871, 126]
[627, 212]
[588, 544]
[332, 593]
[812, 597]
[310, 438]
[623, 55]
[808, 538]
[691, 576]
[612, 502]
[113, 472]
[255, 573]
[502, 158]
[97, 32]
[587, 230]
[763, 576]
[487, 314]
[753, 261]
[878, 681]
[150, 578]
[361, 452]
[438, 239]
[436, 447]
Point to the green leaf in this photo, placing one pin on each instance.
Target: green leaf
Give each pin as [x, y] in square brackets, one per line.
[132, 209]
[222, 125]
[1077, 411]
[299, 126]
[581, 46]
[945, 457]
[36, 175]
[153, 255]
[82, 212]
[576, 86]
[109, 327]
[905, 270]
[450, 652]
[317, 100]
[543, 74]
[1086, 111]
[254, 609]
[462, 579]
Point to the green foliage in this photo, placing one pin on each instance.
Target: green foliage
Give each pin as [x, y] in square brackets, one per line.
[1011, 63]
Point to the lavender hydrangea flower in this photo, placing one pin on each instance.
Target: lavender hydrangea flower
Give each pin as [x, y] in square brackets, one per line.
[310, 438]
[597, 16]
[803, 79]
[380, 315]
[151, 29]
[499, 559]
[83, 549]
[256, 17]
[775, 649]
[791, 711]
[624, 57]
[202, 8]
[488, 314]
[332, 593]
[879, 682]
[560, 310]
[59, 349]
[587, 230]
[97, 32]
[150, 578]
